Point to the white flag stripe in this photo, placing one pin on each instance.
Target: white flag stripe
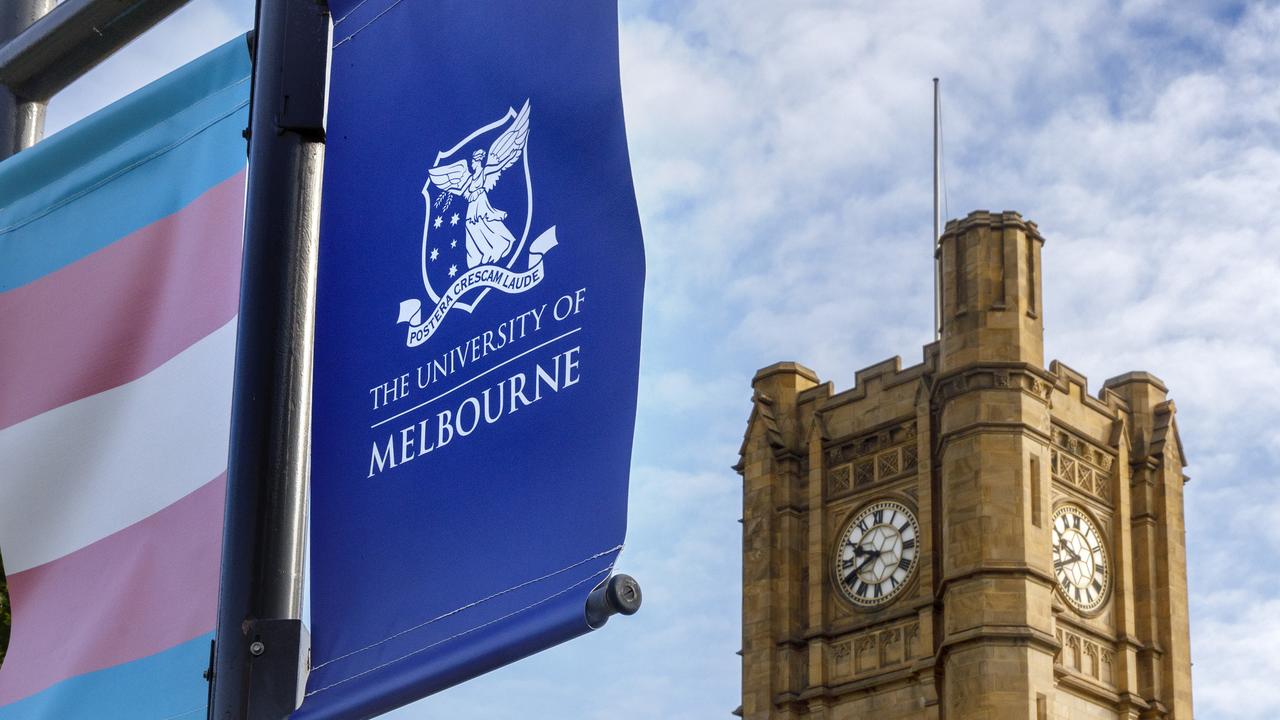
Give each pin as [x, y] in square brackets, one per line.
[82, 471]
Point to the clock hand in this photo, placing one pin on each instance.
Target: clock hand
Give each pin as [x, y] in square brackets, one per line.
[1063, 547]
[871, 556]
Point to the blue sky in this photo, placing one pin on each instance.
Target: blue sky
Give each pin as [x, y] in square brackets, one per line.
[781, 155]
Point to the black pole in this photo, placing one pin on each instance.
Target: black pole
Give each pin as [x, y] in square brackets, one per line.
[261, 650]
[21, 118]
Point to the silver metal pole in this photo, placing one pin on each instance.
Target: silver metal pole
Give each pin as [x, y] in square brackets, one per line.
[21, 118]
[72, 39]
[937, 223]
[261, 650]
[45, 47]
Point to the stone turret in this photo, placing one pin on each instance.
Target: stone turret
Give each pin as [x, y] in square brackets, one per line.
[1047, 580]
[991, 294]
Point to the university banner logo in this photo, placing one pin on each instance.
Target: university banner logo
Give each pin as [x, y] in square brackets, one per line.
[469, 246]
[480, 283]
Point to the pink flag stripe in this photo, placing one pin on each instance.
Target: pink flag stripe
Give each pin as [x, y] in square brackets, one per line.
[115, 315]
[136, 592]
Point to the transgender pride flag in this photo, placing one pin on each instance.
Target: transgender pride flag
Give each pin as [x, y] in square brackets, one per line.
[119, 281]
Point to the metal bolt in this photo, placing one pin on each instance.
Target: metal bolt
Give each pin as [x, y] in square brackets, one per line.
[256, 648]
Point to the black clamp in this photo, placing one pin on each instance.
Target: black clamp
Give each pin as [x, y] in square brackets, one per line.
[279, 664]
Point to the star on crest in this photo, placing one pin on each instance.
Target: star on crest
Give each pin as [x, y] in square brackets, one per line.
[453, 244]
[439, 221]
[454, 220]
[453, 270]
[435, 252]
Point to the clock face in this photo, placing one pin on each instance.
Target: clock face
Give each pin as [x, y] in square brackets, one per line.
[876, 553]
[1080, 559]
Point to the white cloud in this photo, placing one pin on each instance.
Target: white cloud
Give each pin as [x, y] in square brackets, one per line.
[1235, 675]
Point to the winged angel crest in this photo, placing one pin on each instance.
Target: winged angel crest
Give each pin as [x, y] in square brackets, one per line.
[488, 239]
[492, 251]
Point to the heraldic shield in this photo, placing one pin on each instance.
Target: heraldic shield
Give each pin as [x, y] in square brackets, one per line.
[479, 210]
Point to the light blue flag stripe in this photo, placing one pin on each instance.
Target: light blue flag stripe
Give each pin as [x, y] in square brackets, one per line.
[128, 691]
[125, 167]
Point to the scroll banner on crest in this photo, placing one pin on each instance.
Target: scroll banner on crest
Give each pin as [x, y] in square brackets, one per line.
[481, 276]
[487, 276]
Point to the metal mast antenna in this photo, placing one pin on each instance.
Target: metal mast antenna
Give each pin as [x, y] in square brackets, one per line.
[937, 222]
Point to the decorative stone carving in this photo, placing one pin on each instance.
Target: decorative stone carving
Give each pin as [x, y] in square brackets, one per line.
[891, 647]
[909, 457]
[981, 378]
[1094, 659]
[1090, 660]
[888, 463]
[883, 439]
[841, 479]
[866, 654]
[864, 473]
[1081, 464]
[874, 650]
[884, 454]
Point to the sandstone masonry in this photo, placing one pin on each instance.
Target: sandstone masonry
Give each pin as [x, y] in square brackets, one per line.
[988, 449]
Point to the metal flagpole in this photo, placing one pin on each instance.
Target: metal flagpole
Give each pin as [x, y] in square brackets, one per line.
[44, 48]
[937, 256]
[21, 119]
[261, 650]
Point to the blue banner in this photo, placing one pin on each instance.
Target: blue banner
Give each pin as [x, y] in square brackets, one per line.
[477, 342]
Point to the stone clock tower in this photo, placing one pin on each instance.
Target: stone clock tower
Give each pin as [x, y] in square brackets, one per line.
[975, 537]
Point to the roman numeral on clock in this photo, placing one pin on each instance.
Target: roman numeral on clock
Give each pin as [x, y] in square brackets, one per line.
[904, 563]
